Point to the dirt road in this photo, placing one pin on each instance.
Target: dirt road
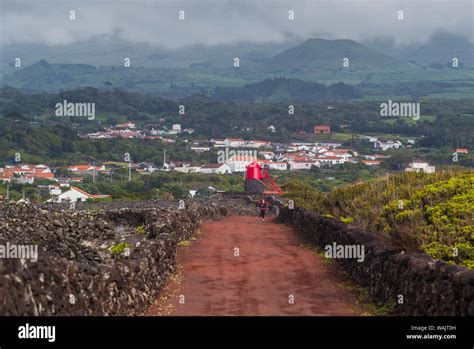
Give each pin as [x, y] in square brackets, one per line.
[242, 266]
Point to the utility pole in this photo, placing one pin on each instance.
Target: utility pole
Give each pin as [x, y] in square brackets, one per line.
[129, 171]
[8, 190]
[93, 172]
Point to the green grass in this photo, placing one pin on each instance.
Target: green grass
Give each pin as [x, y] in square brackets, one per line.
[334, 136]
[411, 120]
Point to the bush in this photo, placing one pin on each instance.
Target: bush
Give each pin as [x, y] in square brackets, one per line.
[119, 249]
[415, 211]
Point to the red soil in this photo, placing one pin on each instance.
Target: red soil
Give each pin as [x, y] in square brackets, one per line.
[272, 269]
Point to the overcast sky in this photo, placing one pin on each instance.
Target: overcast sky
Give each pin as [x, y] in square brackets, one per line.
[223, 21]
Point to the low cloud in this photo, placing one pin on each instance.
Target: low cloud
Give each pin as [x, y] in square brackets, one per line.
[223, 21]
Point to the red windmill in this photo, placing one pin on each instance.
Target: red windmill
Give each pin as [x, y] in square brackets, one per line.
[258, 181]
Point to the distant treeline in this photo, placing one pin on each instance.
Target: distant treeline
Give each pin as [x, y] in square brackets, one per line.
[283, 89]
[450, 123]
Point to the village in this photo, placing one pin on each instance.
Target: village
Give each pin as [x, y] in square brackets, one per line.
[233, 157]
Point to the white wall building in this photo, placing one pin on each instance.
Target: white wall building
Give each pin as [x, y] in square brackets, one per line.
[75, 195]
[419, 166]
[234, 142]
[332, 160]
[215, 169]
[387, 145]
[218, 143]
[239, 165]
[188, 168]
[302, 164]
[280, 166]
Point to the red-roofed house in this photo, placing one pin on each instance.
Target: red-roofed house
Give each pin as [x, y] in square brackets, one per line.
[322, 129]
[215, 168]
[257, 144]
[302, 164]
[371, 162]
[333, 160]
[26, 173]
[6, 175]
[234, 142]
[87, 169]
[125, 125]
[218, 142]
[462, 151]
[340, 153]
[75, 194]
[40, 175]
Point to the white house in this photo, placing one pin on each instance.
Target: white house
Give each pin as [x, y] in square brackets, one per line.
[256, 144]
[200, 149]
[419, 166]
[125, 125]
[75, 195]
[387, 145]
[86, 169]
[218, 142]
[145, 168]
[188, 168]
[54, 190]
[331, 144]
[371, 139]
[339, 153]
[280, 166]
[239, 163]
[333, 160]
[371, 162]
[215, 169]
[268, 155]
[234, 142]
[238, 166]
[302, 164]
[193, 191]
[320, 150]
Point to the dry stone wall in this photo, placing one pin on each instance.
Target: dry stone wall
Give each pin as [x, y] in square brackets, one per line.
[427, 286]
[77, 274]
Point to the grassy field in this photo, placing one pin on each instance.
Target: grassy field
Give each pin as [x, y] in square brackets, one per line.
[410, 120]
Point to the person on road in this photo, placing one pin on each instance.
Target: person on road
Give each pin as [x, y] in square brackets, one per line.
[263, 207]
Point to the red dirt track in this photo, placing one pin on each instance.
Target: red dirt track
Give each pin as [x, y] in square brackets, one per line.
[271, 267]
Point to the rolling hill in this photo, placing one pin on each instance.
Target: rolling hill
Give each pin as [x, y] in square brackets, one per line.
[329, 54]
[209, 71]
[282, 89]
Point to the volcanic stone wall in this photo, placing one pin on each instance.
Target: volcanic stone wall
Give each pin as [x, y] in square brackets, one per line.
[77, 274]
[426, 286]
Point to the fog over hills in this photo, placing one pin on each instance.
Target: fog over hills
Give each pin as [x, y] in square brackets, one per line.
[177, 57]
